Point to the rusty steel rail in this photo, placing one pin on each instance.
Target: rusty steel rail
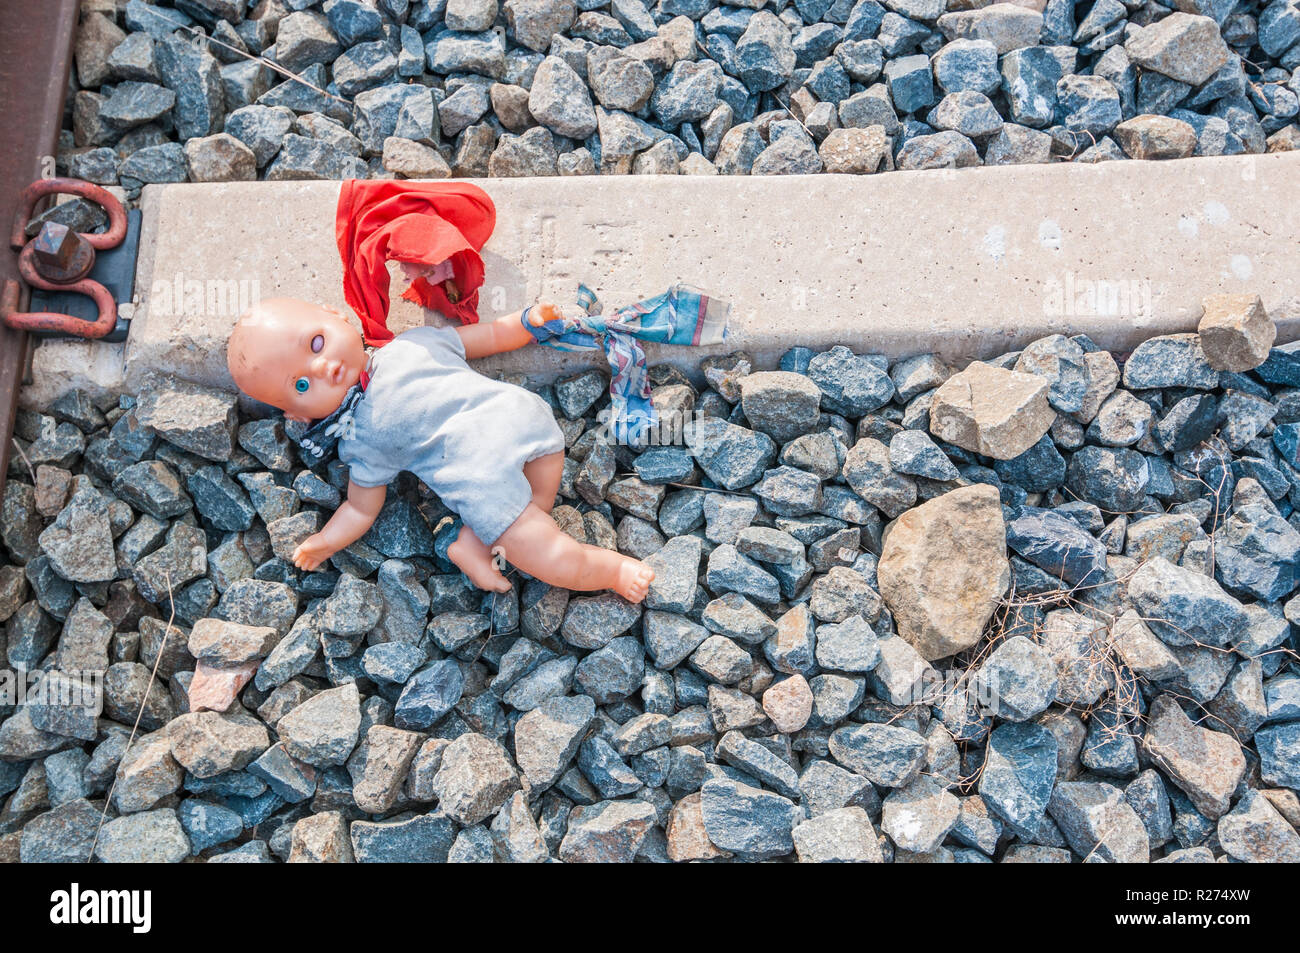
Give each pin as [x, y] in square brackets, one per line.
[36, 39]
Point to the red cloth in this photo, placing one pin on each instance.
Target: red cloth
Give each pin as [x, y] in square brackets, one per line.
[420, 222]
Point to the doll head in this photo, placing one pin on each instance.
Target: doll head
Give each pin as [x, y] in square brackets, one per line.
[297, 356]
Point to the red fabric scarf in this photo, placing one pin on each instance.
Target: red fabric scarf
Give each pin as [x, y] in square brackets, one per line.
[421, 222]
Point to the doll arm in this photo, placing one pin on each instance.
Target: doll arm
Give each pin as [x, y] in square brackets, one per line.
[503, 334]
[348, 524]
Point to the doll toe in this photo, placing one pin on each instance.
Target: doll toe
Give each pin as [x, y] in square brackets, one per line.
[634, 580]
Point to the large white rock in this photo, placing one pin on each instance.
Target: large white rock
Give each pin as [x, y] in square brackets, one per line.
[1236, 332]
[943, 569]
[991, 410]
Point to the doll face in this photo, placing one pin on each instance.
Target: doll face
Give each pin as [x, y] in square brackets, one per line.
[300, 357]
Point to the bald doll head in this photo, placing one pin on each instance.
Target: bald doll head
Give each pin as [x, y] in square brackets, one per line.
[300, 357]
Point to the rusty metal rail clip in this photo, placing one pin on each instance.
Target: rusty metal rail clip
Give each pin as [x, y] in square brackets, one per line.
[59, 259]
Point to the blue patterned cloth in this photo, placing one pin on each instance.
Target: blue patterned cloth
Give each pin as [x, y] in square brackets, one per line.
[318, 441]
[681, 315]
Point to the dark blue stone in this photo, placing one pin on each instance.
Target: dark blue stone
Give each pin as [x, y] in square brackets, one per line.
[607, 772]
[722, 50]
[864, 20]
[401, 531]
[1243, 382]
[1173, 360]
[1273, 480]
[1210, 474]
[289, 779]
[207, 824]
[1286, 437]
[1281, 368]
[1028, 578]
[1019, 775]
[354, 21]
[226, 784]
[664, 465]
[1085, 514]
[1189, 422]
[254, 810]
[796, 359]
[1191, 827]
[423, 838]
[910, 82]
[814, 43]
[1109, 748]
[1258, 553]
[392, 661]
[429, 695]
[828, 81]
[1058, 546]
[1037, 470]
[1279, 754]
[1113, 478]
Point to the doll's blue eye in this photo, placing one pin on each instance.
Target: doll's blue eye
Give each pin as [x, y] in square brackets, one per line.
[301, 385]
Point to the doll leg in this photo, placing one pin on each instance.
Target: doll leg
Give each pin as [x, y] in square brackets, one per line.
[469, 553]
[474, 559]
[543, 475]
[540, 548]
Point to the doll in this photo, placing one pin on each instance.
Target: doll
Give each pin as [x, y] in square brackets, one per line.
[492, 451]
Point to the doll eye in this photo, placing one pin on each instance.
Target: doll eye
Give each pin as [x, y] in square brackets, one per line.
[317, 343]
[301, 385]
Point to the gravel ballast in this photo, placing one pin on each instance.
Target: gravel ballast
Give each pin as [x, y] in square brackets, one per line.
[1033, 608]
[177, 91]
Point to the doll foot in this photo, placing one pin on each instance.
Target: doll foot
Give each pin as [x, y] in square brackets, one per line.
[634, 578]
[476, 563]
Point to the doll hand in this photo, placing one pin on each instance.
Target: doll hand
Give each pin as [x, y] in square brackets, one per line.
[540, 314]
[311, 552]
